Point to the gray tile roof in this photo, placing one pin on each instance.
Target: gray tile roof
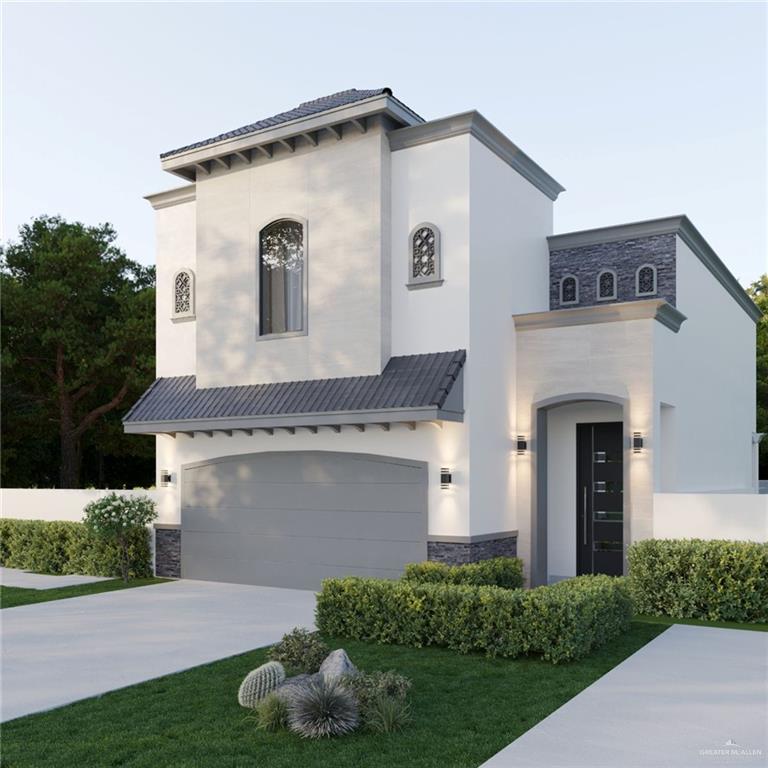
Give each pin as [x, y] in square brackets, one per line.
[340, 99]
[411, 381]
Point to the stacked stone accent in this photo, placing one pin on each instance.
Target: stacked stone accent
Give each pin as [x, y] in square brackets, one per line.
[624, 257]
[168, 552]
[458, 553]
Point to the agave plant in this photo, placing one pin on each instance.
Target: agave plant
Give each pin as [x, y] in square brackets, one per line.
[323, 709]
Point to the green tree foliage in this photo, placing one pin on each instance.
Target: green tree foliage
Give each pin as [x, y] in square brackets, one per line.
[78, 349]
[758, 291]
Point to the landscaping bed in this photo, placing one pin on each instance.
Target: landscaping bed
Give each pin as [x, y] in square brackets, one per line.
[465, 708]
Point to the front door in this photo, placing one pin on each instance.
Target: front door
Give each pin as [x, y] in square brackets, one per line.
[600, 498]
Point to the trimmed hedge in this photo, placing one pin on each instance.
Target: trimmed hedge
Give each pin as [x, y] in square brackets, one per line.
[697, 579]
[561, 622]
[60, 547]
[504, 572]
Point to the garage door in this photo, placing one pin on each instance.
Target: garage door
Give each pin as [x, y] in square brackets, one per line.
[291, 519]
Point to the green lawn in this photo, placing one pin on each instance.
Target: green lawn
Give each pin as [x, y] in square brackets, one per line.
[466, 708]
[10, 597]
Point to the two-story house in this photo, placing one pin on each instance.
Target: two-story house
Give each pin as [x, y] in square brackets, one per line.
[371, 349]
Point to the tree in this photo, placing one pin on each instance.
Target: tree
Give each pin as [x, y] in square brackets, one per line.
[78, 324]
[758, 291]
[116, 518]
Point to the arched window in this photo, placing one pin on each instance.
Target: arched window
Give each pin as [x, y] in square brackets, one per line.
[606, 285]
[282, 253]
[424, 263]
[183, 294]
[645, 280]
[569, 290]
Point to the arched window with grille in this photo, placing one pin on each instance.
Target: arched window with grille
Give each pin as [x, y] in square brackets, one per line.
[569, 290]
[183, 295]
[282, 277]
[425, 260]
[606, 285]
[645, 281]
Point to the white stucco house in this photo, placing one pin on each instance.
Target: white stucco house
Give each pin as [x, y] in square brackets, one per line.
[371, 349]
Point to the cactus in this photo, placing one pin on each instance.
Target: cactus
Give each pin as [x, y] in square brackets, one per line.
[259, 683]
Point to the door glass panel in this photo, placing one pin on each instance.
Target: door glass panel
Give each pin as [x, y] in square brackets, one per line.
[604, 516]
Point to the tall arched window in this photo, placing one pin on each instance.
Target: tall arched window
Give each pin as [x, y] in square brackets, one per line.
[606, 285]
[645, 280]
[424, 263]
[282, 253]
[183, 294]
[569, 290]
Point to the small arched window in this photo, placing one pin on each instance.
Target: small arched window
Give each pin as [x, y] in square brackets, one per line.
[282, 274]
[425, 262]
[606, 285]
[183, 295]
[645, 281]
[569, 290]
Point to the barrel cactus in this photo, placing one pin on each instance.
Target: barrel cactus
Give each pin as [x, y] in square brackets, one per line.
[260, 683]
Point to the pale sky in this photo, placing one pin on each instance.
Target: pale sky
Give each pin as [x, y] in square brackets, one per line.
[639, 110]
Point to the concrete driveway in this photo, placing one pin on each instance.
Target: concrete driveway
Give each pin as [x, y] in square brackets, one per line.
[58, 652]
[694, 696]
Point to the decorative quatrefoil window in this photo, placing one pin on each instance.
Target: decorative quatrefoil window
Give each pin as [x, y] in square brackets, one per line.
[183, 295]
[569, 290]
[645, 280]
[606, 285]
[425, 262]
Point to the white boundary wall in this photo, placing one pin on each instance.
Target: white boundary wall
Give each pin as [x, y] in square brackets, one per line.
[738, 516]
[56, 503]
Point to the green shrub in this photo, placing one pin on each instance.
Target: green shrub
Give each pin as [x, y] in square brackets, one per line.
[271, 713]
[692, 578]
[300, 650]
[561, 622]
[497, 572]
[387, 714]
[367, 687]
[114, 518]
[60, 547]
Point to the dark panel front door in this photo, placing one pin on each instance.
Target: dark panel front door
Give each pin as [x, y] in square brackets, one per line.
[599, 498]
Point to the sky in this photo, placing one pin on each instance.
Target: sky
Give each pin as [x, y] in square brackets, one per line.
[640, 110]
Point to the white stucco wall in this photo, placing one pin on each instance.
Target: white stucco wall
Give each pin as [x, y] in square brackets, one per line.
[175, 249]
[339, 189]
[438, 447]
[561, 480]
[509, 268]
[739, 516]
[707, 372]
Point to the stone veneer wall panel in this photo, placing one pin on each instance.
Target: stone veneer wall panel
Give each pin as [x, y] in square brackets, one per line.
[623, 256]
[458, 553]
[168, 552]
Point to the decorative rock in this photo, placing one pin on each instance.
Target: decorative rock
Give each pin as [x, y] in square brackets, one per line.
[260, 683]
[337, 664]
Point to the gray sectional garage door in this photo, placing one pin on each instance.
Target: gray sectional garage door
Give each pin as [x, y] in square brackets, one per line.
[291, 519]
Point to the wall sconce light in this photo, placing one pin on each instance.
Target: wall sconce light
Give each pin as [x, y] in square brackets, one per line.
[446, 478]
[522, 445]
[637, 442]
[165, 478]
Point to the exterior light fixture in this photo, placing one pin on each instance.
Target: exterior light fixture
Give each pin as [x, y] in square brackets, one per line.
[522, 445]
[637, 442]
[446, 478]
[165, 478]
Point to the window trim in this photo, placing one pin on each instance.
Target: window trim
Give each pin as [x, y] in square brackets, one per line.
[305, 279]
[576, 300]
[655, 290]
[177, 317]
[429, 281]
[602, 272]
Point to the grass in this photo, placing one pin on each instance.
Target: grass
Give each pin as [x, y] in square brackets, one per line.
[11, 597]
[668, 622]
[465, 709]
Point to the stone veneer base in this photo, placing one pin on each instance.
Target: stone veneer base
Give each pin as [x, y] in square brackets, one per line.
[168, 552]
[458, 553]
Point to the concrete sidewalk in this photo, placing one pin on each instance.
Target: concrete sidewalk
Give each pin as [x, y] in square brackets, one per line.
[694, 696]
[57, 652]
[13, 577]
